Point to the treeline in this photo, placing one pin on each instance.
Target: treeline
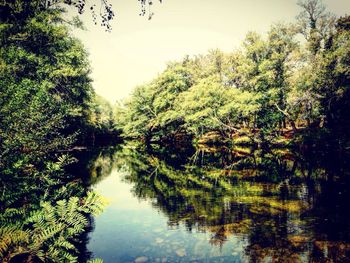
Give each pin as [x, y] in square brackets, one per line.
[295, 78]
[47, 103]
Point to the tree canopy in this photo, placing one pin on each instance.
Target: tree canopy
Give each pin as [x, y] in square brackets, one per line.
[270, 84]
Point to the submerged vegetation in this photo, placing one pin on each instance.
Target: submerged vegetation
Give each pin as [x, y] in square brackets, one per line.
[274, 203]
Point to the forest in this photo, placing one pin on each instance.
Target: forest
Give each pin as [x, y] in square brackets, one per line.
[262, 111]
[292, 83]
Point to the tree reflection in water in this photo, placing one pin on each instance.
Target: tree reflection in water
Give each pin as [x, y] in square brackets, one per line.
[289, 207]
[285, 206]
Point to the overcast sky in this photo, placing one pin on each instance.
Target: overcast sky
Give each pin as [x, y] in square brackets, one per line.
[137, 49]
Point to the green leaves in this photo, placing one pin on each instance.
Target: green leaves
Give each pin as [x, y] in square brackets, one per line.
[46, 97]
[271, 84]
[152, 108]
[49, 231]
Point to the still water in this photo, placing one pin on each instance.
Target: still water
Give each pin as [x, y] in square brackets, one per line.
[218, 205]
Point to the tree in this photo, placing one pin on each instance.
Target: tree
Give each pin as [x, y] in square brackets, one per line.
[101, 13]
[46, 92]
[327, 40]
[281, 45]
[152, 107]
[210, 106]
[315, 24]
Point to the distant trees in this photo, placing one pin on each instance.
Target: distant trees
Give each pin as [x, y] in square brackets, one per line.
[271, 83]
[315, 24]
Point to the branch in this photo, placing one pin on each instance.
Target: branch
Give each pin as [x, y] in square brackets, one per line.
[283, 111]
[224, 124]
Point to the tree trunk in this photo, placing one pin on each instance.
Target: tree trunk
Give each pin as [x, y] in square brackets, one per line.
[294, 127]
[284, 123]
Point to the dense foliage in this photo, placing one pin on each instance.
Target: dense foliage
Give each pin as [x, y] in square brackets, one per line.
[46, 99]
[273, 84]
[102, 11]
[47, 105]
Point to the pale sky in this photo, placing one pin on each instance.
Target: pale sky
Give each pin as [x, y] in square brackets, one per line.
[138, 49]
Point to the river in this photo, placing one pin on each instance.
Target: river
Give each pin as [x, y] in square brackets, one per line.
[218, 204]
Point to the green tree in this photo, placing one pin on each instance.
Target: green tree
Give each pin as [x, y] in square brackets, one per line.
[151, 109]
[46, 92]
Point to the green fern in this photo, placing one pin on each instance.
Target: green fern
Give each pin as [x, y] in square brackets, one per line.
[47, 232]
[12, 238]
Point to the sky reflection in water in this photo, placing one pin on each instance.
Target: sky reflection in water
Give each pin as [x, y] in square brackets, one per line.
[207, 205]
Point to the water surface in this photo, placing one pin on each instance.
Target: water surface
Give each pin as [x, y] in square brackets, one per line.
[219, 205]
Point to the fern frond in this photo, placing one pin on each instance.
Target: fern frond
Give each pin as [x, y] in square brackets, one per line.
[96, 260]
[11, 237]
[47, 233]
